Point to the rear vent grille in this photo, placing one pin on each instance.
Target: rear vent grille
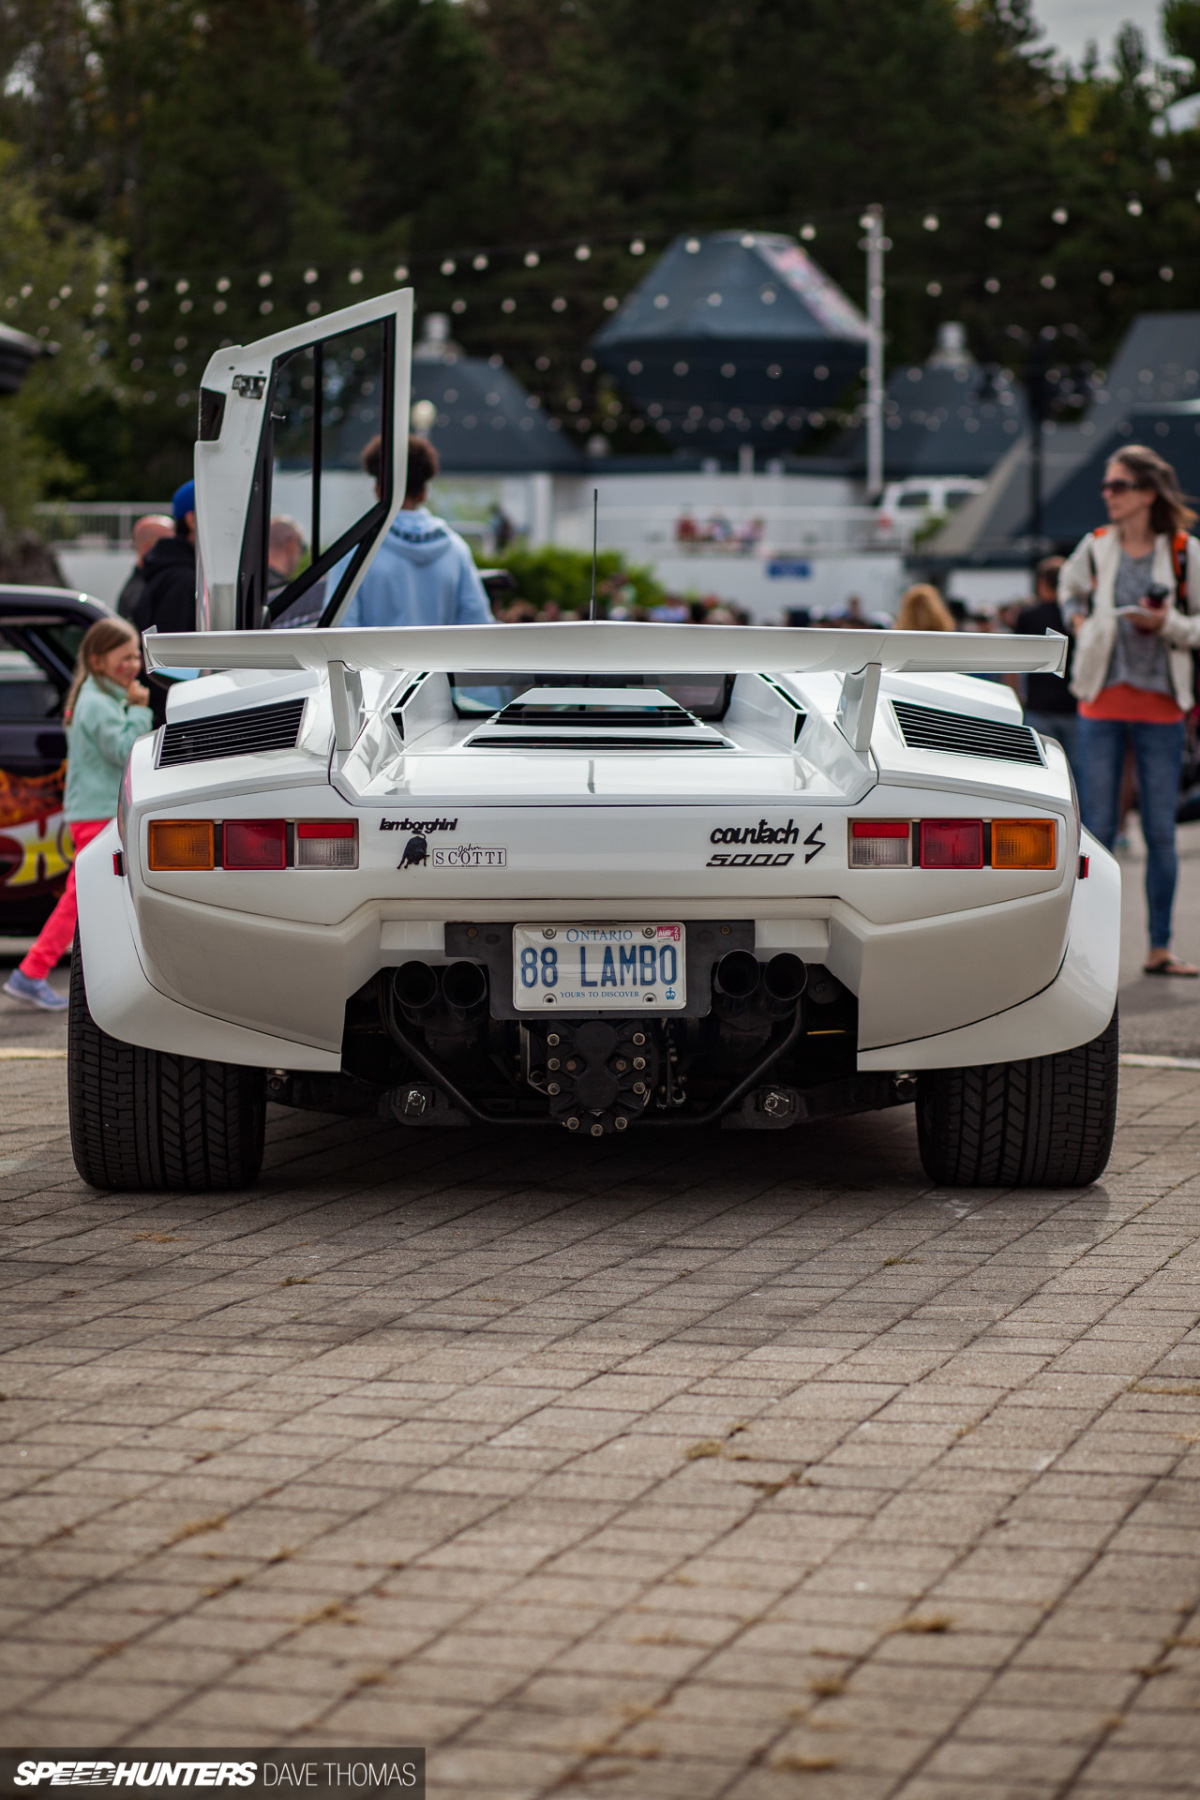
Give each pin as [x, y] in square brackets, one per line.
[960, 734]
[608, 740]
[242, 733]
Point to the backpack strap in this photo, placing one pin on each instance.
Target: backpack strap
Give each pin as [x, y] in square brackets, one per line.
[1179, 560]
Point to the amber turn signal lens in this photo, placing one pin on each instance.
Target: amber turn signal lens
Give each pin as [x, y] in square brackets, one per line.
[181, 844]
[1023, 844]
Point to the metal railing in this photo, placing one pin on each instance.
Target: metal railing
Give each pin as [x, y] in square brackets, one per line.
[94, 524]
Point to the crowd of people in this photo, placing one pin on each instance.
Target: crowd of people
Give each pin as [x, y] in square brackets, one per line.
[1127, 597]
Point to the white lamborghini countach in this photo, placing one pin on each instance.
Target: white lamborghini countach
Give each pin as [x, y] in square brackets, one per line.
[594, 877]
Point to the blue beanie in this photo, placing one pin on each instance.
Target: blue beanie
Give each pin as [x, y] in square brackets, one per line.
[184, 501]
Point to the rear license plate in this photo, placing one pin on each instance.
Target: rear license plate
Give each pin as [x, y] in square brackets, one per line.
[599, 968]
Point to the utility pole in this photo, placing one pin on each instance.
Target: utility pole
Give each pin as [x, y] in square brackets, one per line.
[875, 244]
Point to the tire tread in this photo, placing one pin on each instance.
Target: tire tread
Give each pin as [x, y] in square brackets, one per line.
[1046, 1121]
[147, 1120]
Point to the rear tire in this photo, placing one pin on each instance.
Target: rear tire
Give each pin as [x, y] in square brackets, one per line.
[1044, 1122]
[145, 1120]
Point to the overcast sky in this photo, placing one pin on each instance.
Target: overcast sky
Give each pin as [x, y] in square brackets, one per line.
[1069, 24]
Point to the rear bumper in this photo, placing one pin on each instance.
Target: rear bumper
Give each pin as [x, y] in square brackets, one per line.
[985, 985]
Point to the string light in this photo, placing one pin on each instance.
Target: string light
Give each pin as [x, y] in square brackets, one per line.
[265, 279]
[311, 275]
[638, 247]
[1166, 274]
[1107, 277]
[993, 221]
[354, 277]
[931, 222]
[692, 246]
[808, 233]
[508, 306]
[400, 272]
[479, 262]
[449, 266]
[1060, 215]
[933, 287]
[1134, 208]
[532, 259]
[582, 252]
[1048, 281]
[223, 285]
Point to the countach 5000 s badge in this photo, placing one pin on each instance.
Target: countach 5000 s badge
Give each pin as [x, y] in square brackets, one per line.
[762, 833]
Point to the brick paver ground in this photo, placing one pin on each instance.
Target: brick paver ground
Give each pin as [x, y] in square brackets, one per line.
[681, 1466]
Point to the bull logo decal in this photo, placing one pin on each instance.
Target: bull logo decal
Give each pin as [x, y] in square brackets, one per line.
[416, 852]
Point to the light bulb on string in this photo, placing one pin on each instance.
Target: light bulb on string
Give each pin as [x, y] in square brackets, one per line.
[265, 279]
[1166, 273]
[181, 287]
[558, 304]
[400, 272]
[931, 222]
[1049, 281]
[692, 246]
[449, 266]
[1133, 207]
[310, 275]
[354, 277]
[508, 306]
[993, 221]
[1107, 277]
[638, 246]
[808, 233]
[532, 259]
[1060, 215]
[479, 262]
[223, 285]
[582, 252]
[934, 288]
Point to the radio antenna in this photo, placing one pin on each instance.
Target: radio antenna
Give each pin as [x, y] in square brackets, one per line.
[595, 524]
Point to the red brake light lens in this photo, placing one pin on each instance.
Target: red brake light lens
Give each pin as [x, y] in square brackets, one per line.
[952, 843]
[254, 844]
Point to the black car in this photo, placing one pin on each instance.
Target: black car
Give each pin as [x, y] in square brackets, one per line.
[40, 633]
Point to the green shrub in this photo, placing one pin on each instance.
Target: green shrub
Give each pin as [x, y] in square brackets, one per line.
[553, 576]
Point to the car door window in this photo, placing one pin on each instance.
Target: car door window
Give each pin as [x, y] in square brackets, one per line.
[27, 695]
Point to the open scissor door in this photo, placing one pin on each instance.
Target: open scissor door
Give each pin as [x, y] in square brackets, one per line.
[282, 425]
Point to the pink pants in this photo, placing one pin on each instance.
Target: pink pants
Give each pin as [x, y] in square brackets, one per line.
[57, 934]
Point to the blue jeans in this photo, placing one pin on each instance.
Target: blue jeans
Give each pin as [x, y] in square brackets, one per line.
[1063, 727]
[1158, 754]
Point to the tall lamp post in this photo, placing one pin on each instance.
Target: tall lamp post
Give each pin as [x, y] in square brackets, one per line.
[875, 244]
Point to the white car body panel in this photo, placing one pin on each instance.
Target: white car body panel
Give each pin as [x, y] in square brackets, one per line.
[499, 808]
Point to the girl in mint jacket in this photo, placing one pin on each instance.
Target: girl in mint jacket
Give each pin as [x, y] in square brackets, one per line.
[106, 711]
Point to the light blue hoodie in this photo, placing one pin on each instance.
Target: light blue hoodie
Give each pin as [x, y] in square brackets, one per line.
[422, 575]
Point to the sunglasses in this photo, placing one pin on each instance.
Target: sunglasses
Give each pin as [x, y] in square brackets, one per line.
[1120, 486]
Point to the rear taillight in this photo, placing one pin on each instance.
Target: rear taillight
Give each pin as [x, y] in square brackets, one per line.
[327, 844]
[254, 844]
[880, 844]
[951, 843]
[181, 844]
[1023, 844]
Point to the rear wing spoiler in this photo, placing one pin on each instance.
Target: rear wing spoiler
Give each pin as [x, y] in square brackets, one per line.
[569, 647]
[566, 648]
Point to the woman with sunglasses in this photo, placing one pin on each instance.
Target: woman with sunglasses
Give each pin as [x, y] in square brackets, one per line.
[1135, 631]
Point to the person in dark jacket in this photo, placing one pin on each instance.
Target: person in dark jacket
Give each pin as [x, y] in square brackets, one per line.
[1049, 702]
[168, 597]
[146, 533]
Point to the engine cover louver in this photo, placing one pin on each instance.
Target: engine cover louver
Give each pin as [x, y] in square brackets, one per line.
[961, 734]
[242, 733]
